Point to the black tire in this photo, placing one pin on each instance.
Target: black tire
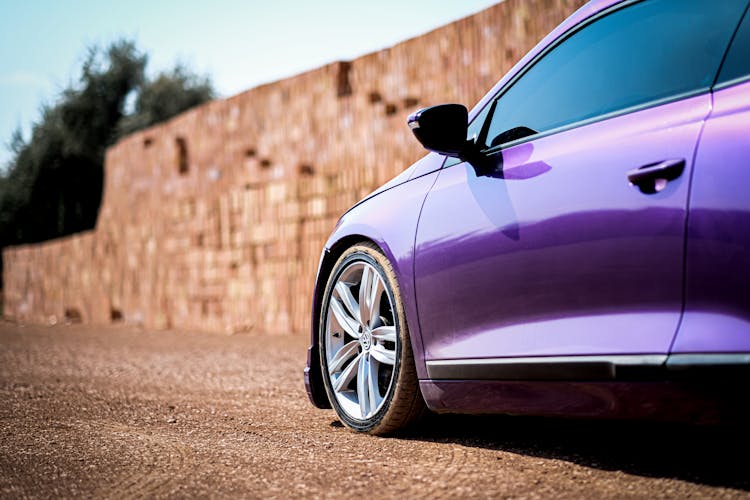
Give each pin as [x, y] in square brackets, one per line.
[402, 402]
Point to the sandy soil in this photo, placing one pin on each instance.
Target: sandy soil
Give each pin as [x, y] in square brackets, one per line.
[122, 413]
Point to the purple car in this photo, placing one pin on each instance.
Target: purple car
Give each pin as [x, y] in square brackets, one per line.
[578, 244]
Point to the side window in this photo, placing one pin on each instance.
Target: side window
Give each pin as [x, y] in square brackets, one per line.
[737, 63]
[642, 53]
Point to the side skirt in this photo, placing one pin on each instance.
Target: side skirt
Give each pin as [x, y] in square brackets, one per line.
[684, 387]
[651, 367]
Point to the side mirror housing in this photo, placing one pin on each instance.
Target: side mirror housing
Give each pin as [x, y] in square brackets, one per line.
[442, 128]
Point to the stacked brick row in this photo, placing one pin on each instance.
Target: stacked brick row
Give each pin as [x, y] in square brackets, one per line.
[215, 220]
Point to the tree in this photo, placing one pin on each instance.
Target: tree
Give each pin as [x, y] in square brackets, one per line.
[165, 96]
[53, 184]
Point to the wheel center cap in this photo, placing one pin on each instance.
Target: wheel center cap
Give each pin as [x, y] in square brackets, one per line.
[366, 340]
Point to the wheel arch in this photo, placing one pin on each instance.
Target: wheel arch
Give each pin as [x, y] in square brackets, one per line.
[313, 375]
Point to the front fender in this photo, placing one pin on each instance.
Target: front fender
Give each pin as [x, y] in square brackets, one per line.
[390, 221]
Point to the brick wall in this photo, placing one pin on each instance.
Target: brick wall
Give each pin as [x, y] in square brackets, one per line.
[215, 220]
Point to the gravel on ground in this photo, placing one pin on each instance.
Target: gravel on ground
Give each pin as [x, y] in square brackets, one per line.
[119, 412]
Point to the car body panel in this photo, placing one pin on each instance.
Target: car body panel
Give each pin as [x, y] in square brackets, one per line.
[674, 400]
[392, 229]
[558, 254]
[391, 223]
[423, 166]
[717, 308]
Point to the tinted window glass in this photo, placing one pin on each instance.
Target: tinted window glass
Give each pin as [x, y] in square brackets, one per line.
[644, 52]
[737, 63]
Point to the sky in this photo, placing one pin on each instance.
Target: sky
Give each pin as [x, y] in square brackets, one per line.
[239, 44]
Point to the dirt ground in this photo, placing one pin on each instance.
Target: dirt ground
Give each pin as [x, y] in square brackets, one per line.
[115, 412]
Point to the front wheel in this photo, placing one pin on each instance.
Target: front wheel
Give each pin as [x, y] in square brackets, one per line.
[366, 355]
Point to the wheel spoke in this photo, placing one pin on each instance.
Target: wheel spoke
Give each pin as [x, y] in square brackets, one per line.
[383, 355]
[362, 385]
[350, 303]
[364, 293]
[342, 356]
[344, 319]
[373, 300]
[385, 333]
[372, 385]
[347, 374]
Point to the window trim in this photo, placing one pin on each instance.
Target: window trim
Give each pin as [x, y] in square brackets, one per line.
[730, 83]
[739, 79]
[580, 123]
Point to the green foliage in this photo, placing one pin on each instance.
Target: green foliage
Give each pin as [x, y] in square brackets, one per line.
[166, 96]
[53, 183]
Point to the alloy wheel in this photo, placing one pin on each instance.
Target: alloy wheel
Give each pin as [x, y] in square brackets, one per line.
[360, 340]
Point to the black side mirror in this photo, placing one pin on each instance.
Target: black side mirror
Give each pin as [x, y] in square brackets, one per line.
[442, 128]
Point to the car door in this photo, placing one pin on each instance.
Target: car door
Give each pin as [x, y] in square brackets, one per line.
[717, 308]
[565, 235]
